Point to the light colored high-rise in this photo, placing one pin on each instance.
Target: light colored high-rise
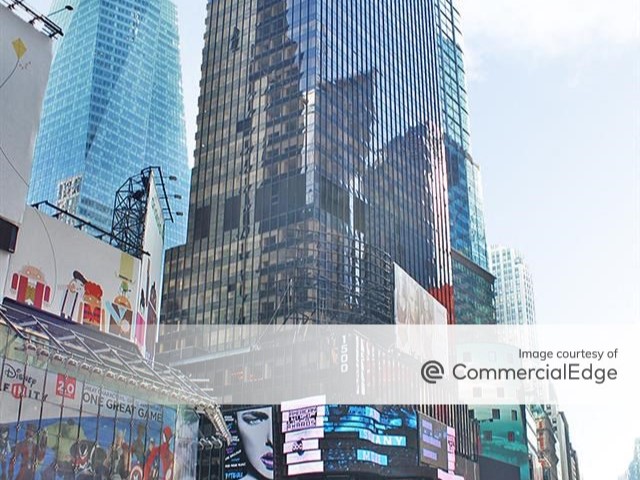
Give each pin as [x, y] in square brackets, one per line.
[515, 303]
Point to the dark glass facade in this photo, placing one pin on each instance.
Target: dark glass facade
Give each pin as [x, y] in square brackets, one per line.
[319, 163]
[473, 284]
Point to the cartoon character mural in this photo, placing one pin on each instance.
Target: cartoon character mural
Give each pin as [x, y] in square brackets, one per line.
[92, 312]
[120, 313]
[73, 295]
[30, 287]
[28, 454]
[159, 462]
[88, 460]
[119, 459]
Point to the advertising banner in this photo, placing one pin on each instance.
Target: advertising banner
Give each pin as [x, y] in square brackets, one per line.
[56, 427]
[150, 288]
[63, 271]
[303, 427]
[250, 454]
[380, 440]
[433, 443]
[24, 71]
[414, 306]
[451, 448]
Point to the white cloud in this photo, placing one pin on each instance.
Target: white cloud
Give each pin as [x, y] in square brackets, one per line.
[551, 27]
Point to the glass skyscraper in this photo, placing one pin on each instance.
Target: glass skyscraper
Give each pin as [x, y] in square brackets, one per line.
[319, 163]
[473, 283]
[113, 106]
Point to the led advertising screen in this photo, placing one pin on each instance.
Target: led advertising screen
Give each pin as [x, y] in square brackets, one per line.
[250, 454]
[302, 429]
[380, 440]
[434, 446]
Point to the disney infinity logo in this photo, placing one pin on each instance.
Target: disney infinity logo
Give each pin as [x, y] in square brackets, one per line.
[20, 384]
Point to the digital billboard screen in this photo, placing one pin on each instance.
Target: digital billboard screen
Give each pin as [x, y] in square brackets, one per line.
[250, 454]
[302, 428]
[379, 440]
[433, 443]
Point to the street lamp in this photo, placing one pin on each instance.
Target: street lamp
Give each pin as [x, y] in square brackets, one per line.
[63, 9]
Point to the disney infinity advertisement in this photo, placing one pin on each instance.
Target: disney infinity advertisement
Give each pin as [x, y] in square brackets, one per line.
[67, 429]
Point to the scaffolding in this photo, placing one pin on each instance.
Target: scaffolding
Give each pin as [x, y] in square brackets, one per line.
[130, 208]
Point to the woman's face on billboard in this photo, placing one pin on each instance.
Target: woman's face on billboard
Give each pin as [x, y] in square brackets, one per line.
[254, 427]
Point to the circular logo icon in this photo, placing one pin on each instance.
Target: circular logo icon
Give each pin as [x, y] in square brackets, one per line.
[432, 371]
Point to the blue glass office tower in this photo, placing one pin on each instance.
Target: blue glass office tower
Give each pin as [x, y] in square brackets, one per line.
[472, 282]
[113, 106]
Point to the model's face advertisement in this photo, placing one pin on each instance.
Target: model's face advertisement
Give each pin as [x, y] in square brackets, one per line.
[250, 456]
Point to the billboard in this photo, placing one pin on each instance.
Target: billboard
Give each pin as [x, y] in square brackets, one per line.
[250, 454]
[68, 273]
[451, 448]
[24, 71]
[150, 288]
[492, 469]
[381, 440]
[413, 305]
[302, 429]
[433, 443]
[61, 270]
[55, 426]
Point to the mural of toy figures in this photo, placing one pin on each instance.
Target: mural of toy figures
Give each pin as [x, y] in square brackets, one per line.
[73, 295]
[88, 460]
[30, 287]
[28, 454]
[92, 312]
[120, 313]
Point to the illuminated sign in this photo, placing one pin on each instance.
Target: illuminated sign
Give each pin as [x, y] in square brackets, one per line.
[388, 440]
[303, 427]
[451, 448]
[369, 456]
[434, 443]
[250, 454]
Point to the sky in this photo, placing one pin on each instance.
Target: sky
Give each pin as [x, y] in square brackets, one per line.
[554, 88]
